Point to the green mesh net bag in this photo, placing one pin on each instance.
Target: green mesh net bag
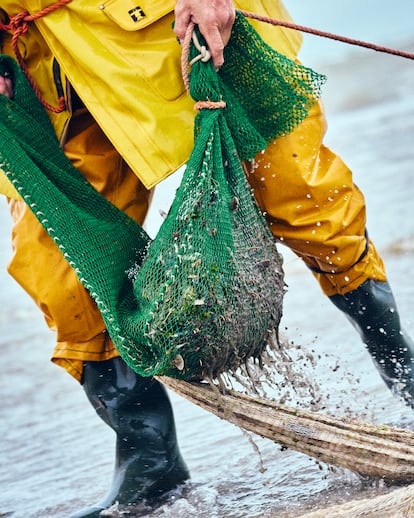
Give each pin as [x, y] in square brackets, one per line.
[202, 298]
[98, 240]
[211, 287]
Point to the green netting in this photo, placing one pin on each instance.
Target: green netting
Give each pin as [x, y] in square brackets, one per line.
[211, 287]
[274, 92]
[99, 241]
[203, 297]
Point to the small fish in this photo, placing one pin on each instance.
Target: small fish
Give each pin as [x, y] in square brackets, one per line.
[234, 204]
[179, 362]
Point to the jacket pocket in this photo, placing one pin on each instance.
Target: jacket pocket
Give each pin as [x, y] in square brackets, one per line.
[133, 15]
[143, 39]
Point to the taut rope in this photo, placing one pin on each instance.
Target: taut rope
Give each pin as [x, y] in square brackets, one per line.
[323, 34]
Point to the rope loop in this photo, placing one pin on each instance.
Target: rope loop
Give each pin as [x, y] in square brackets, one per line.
[19, 25]
[204, 55]
[185, 55]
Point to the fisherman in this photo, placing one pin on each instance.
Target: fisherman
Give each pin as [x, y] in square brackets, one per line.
[110, 76]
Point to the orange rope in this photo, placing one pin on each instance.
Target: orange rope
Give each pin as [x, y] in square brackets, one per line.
[209, 105]
[19, 25]
[336, 37]
[185, 55]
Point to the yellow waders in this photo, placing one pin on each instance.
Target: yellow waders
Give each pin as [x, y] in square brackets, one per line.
[314, 208]
[306, 190]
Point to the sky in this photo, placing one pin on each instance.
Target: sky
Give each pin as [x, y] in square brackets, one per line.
[376, 21]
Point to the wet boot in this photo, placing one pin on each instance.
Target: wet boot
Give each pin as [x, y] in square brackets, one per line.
[371, 308]
[148, 462]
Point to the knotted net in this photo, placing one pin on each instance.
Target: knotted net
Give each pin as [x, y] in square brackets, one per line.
[202, 298]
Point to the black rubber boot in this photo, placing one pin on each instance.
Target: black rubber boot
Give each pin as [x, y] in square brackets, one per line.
[371, 308]
[148, 462]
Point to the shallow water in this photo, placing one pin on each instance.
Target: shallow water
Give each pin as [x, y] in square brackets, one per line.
[57, 455]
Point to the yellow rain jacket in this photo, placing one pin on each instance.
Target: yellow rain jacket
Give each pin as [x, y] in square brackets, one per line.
[123, 60]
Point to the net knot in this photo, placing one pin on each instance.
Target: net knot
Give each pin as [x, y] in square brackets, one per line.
[19, 23]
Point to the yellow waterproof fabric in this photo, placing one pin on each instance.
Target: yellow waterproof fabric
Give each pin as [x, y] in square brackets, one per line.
[127, 72]
[314, 208]
[6, 187]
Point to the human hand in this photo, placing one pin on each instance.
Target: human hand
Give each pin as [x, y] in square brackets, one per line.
[6, 86]
[215, 20]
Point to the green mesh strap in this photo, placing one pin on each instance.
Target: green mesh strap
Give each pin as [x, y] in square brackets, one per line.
[202, 298]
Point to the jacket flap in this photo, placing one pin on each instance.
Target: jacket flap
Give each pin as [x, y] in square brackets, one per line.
[132, 15]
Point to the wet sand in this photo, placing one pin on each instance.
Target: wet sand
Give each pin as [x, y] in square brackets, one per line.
[56, 454]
